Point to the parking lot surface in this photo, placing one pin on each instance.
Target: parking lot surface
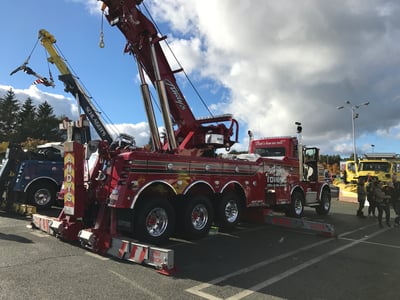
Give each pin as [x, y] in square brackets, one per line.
[256, 261]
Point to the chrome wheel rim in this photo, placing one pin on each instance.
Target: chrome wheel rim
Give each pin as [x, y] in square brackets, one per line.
[199, 216]
[231, 211]
[156, 222]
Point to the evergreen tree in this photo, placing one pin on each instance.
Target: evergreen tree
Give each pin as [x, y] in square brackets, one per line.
[9, 109]
[26, 120]
[47, 124]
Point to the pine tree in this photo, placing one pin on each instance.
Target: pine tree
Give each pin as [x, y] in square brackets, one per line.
[9, 109]
[47, 123]
[26, 120]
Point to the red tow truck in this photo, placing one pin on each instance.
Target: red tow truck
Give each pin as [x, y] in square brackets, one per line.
[294, 177]
[180, 187]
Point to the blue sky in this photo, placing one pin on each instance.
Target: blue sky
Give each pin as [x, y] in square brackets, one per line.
[290, 61]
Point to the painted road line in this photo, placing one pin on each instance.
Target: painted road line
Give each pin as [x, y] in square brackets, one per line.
[376, 244]
[136, 285]
[197, 290]
[355, 230]
[298, 268]
[40, 234]
[95, 255]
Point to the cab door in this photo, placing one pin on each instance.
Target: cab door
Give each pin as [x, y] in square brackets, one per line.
[311, 156]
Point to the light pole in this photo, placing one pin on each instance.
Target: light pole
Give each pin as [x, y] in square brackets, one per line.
[373, 147]
[354, 116]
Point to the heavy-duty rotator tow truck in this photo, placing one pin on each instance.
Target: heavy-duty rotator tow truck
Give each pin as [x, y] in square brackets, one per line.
[126, 201]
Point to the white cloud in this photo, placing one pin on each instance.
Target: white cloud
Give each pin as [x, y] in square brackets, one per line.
[188, 53]
[93, 6]
[139, 131]
[62, 105]
[278, 62]
[286, 61]
[180, 14]
[67, 106]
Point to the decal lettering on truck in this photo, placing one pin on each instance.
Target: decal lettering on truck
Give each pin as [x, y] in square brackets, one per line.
[69, 183]
[276, 175]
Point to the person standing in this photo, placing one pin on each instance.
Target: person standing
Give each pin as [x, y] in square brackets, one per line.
[396, 199]
[370, 186]
[396, 190]
[382, 204]
[361, 196]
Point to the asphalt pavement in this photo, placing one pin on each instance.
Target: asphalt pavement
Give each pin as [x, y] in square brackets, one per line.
[256, 261]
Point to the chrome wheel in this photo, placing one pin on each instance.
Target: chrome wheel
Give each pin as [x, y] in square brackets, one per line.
[199, 216]
[298, 206]
[231, 211]
[325, 206]
[156, 222]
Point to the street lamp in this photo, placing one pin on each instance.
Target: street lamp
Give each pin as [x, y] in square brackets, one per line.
[354, 116]
[373, 147]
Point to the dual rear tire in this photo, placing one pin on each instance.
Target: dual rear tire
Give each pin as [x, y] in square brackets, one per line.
[199, 214]
[197, 217]
[155, 218]
[154, 221]
[229, 211]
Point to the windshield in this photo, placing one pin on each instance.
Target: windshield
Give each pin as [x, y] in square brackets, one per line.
[271, 152]
[375, 166]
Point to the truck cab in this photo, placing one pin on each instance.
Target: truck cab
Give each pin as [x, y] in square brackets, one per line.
[349, 171]
[381, 169]
[295, 178]
[275, 147]
[286, 148]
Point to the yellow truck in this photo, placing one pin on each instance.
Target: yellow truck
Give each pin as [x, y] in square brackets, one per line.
[382, 166]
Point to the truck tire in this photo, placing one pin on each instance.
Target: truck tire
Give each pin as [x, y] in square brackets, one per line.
[197, 217]
[229, 211]
[42, 194]
[325, 206]
[154, 221]
[296, 206]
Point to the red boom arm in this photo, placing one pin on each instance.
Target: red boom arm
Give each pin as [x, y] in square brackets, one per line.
[142, 38]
